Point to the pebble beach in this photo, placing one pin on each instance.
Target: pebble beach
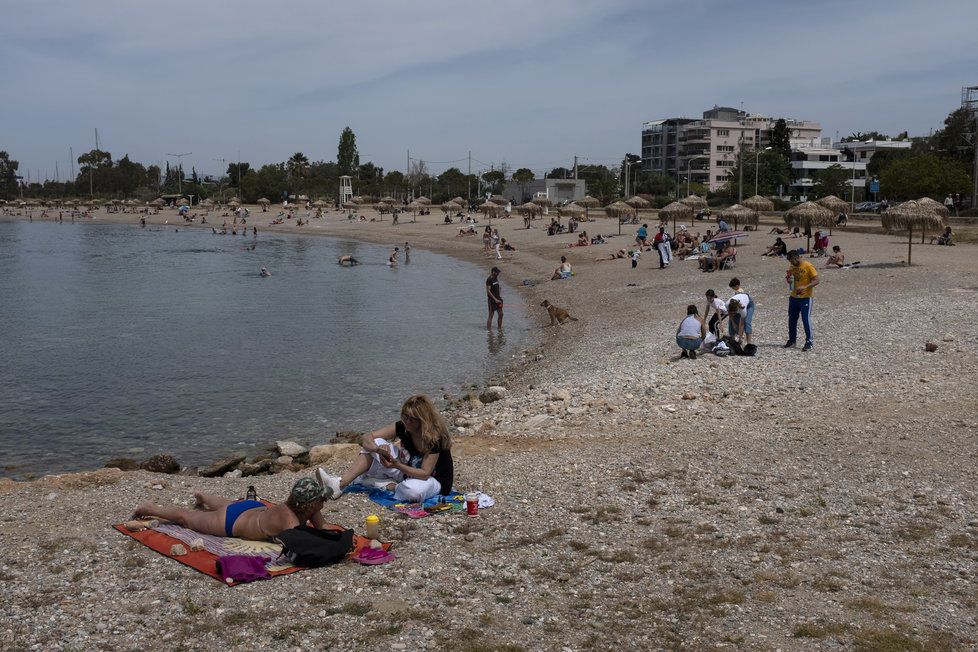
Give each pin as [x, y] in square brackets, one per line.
[787, 501]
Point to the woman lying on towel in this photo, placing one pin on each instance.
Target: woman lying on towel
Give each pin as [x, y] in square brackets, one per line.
[246, 519]
[416, 469]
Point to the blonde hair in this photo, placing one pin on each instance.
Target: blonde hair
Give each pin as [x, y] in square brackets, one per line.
[434, 431]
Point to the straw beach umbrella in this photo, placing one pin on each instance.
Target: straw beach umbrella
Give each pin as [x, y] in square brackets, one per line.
[759, 204]
[833, 203]
[499, 200]
[695, 202]
[588, 202]
[808, 214]
[620, 209]
[675, 211]
[423, 200]
[637, 202]
[529, 208]
[740, 215]
[909, 215]
[571, 209]
[935, 206]
[490, 209]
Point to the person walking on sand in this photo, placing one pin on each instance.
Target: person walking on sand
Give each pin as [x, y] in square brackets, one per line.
[642, 235]
[495, 298]
[664, 246]
[802, 278]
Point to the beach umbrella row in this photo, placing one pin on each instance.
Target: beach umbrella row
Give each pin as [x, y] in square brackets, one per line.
[759, 204]
[695, 202]
[739, 214]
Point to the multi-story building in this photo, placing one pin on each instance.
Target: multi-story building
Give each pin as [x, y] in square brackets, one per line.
[705, 151]
[808, 157]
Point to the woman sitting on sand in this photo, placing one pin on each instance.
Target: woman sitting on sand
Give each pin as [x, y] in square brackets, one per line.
[563, 271]
[837, 259]
[419, 468]
[582, 240]
[247, 519]
[779, 248]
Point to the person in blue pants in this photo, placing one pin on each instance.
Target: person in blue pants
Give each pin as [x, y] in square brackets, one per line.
[802, 278]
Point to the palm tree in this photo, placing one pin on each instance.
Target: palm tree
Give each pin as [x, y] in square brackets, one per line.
[297, 164]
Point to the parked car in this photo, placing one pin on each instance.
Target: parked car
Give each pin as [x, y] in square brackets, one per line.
[868, 207]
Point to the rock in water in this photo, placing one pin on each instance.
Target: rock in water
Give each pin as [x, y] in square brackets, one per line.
[290, 448]
[493, 393]
[123, 464]
[221, 467]
[161, 463]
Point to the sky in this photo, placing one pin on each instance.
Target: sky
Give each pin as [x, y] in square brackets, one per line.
[529, 83]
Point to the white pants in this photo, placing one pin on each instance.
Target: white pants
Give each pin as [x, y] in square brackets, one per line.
[409, 490]
[498, 255]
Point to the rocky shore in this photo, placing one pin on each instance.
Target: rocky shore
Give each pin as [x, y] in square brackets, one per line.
[788, 501]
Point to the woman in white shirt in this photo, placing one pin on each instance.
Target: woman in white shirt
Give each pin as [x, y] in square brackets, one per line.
[690, 334]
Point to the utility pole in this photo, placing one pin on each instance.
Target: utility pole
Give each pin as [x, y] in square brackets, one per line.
[740, 164]
[71, 161]
[179, 158]
[468, 180]
[575, 167]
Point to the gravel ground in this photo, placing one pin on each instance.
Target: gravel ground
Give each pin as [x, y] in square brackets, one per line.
[783, 502]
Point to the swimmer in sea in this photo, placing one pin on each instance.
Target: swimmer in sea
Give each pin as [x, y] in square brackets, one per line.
[392, 261]
[348, 260]
[265, 272]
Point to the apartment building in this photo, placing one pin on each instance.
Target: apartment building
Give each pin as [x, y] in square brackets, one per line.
[811, 155]
[705, 150]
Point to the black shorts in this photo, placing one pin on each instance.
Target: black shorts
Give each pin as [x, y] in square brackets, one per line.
[495, 306]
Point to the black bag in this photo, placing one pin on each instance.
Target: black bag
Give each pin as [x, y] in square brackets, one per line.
[312, 548]
[750, 349]
[735, 347]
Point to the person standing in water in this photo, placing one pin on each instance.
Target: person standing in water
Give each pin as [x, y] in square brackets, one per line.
[494, 297]
[407, 253]
[392, 260]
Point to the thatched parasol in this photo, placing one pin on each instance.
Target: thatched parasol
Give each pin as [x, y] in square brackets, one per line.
[450, 207]
[387, 199]
[423, 200]
[908, 215]
[234, 200]
[694, 201]
[637, 202]
[263, 201]
[758, 203]
[808, 214]
[319, 203]
[739, 214]
[833, 203]
[675, 211]
[620, 209]
[158, 201]
[935, 206]
[499, 200]
[461, 202]
[571, 209]
[542, 201]
[529, 208]
[491, 209]
[588, 202]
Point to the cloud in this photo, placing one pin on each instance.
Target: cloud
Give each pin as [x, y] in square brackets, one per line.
[527, 83]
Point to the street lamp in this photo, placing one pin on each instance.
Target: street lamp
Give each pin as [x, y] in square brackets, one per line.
[179, 158]
[757, 156]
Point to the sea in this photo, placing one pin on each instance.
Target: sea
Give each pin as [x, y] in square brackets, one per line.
[121, 341]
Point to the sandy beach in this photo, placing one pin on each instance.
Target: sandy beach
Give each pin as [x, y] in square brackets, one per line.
[781, 502]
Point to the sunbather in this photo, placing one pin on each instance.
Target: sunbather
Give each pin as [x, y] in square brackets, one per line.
[421, 467]
[246, 519]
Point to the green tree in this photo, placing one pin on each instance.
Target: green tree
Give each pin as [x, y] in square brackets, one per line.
[450, 183]
[269, 181]
[955, 139]
[523, 177]
[237, 171]
[8, 176]
[153, 174]
[297, 164]
[127, 177]
[924, 175]
[654, 183]
[771, 170]
[858, 136]
[347, 157]
[494, 180]
[781, 141]
[883, 159]
[833, 180]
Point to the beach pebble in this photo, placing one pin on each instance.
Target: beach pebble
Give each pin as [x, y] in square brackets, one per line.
[560, 395]
[177, 550]
[233, 474]
[493, 393]
[290, 449]
[284, 460]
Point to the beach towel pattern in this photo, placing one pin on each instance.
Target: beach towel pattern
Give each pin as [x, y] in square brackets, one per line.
[384, 498]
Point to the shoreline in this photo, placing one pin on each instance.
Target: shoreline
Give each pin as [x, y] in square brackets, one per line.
[498, 374]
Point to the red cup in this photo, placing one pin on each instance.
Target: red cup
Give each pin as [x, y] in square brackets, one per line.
[472, 504]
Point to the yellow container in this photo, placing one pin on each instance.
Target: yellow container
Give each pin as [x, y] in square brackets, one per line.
[373, 526]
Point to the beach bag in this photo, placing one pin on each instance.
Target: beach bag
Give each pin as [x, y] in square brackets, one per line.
[735, 347]
[750, 349]
[312, 548]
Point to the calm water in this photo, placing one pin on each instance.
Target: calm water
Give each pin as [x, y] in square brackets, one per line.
[118, 340]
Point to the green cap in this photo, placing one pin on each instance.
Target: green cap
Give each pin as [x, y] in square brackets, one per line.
[306, 490]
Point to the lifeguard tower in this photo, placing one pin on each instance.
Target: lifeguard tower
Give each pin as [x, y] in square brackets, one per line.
[346, 189]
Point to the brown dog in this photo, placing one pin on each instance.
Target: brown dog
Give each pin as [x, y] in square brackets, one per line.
[557, 315]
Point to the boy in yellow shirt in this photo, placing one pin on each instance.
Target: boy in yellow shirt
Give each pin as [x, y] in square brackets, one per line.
[802, 278]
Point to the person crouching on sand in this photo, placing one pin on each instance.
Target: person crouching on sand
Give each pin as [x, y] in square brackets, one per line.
[247, 519]
[419, 468]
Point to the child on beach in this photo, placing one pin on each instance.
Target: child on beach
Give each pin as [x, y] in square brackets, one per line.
[421, 467]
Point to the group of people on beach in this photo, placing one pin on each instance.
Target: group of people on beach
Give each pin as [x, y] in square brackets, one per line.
[411, 458]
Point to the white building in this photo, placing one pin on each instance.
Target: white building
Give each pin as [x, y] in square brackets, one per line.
[557, 190]
[808, 157]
